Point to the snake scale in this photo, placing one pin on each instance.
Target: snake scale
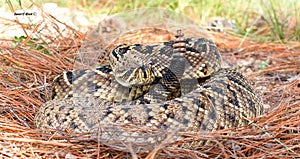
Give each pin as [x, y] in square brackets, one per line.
[147, 92]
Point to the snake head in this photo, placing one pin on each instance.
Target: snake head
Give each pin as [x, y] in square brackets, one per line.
[130, 66]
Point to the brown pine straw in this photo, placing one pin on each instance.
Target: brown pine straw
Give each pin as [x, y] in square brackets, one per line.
[26, 74]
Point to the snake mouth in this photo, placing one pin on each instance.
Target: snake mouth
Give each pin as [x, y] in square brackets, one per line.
[136, 77]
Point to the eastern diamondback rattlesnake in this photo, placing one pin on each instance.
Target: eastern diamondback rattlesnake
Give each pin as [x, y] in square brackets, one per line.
[150, 91]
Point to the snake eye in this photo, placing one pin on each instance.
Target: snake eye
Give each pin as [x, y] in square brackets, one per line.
[122, 49]
[119, 51]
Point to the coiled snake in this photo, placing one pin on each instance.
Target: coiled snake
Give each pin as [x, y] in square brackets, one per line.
[149, 91]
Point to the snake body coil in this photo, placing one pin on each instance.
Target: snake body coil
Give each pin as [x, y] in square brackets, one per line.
[150, 91]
